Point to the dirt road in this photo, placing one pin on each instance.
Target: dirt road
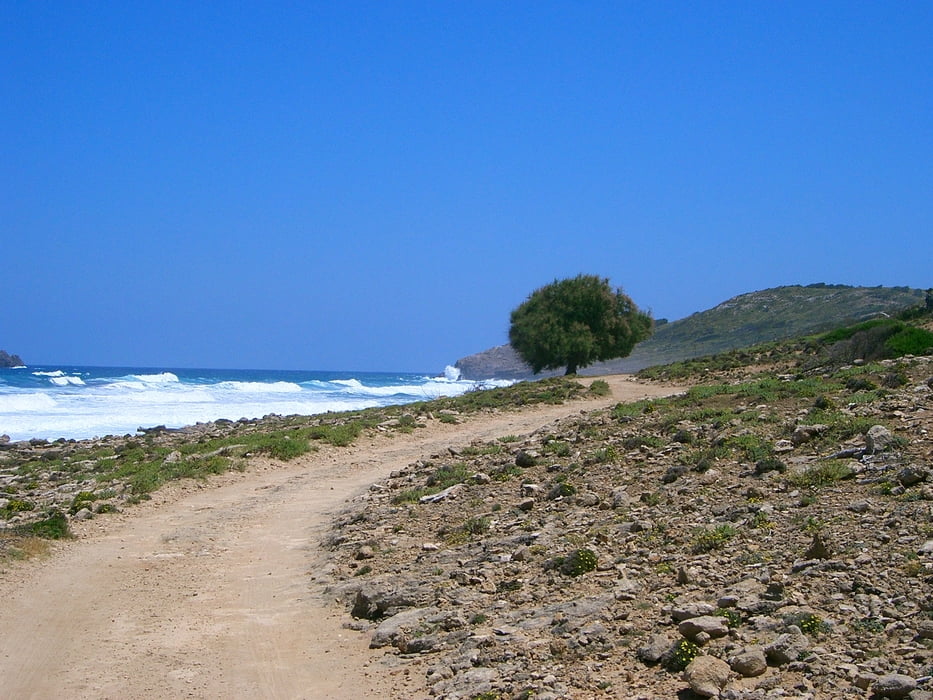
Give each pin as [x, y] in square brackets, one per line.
[206, 591]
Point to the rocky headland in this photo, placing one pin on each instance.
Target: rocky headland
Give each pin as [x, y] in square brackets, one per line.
[7, 360]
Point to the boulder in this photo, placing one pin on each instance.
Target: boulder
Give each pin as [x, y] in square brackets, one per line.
[894, 685]
[788, 647]
[707, 676]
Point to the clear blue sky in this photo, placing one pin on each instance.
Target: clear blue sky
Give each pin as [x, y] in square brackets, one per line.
[375, 185]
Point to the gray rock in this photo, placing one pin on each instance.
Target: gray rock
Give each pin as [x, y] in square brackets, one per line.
[750, 662]
[375, 604]
[911, 475]
[620, 498]
[805, 433]
[714, 626]
[878, 439]
[655, 649]
[393, 630]
[895, 685]
[707, 676]
[787, 647]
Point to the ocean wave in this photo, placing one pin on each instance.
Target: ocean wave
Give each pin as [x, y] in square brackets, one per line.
[66, 381]
[161, 378]
[56, 373]
[26, 402]
[261, 387]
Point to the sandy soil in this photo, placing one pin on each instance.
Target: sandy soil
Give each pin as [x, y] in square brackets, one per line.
[207, 590]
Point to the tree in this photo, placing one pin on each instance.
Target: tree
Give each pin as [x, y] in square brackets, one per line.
[575, 322]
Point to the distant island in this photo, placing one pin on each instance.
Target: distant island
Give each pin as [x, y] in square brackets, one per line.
[7, 360]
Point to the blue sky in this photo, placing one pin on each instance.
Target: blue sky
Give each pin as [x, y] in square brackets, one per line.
[375, 186]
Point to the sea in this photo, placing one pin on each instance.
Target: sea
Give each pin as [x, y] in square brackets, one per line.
[53, 402]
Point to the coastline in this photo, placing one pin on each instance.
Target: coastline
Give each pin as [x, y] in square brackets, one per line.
[204, 589]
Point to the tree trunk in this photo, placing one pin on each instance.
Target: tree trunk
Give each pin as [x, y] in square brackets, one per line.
[571, 369]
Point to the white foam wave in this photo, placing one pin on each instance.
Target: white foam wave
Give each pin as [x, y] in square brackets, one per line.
[66, 381]
[451, 373]
[161, 378]
[26, 402]
[56, 373]
[262, 387]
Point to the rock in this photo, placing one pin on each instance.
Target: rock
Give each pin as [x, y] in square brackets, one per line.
[895, 685]
[817, 549]
[364, 552]
[375, 604]
[910, 475]
[924, 629]
[391, 630]
[859, 507]
[673, 473]
[687, 611]
[750, 662]
[655, 649]
[714, 626]
[707, 675]
[588, 499]
[878, 439]
[787, 647]
[620, 498]
[526, 504]
[805, 433]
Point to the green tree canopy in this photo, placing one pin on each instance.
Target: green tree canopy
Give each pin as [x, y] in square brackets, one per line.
[575, 322]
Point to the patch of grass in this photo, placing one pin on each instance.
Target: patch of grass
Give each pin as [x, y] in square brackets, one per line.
[634, 442]
[752, 447]
[708, 539]
[506, 472]
[820, 474]
[558, 448]
[340, 435]
[447, 475]
[808, 622]
[489, 448]
[54, 526]
[600, 387]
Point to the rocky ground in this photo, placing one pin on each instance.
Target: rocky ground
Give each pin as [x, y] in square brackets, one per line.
[767, 534]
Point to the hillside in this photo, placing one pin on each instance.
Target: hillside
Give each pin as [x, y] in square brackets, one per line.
[744, 320]
[764, 534]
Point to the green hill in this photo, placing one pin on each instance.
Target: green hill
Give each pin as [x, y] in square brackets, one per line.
[748, 319]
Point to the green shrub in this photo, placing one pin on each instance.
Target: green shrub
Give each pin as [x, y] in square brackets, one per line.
[706, 540]
[54, 526]
[600, 387]
[733, 616]
[681, 654]
[579, 562]
[909, 341]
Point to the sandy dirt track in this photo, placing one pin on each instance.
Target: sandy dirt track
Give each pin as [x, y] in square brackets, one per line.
[208, 591]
